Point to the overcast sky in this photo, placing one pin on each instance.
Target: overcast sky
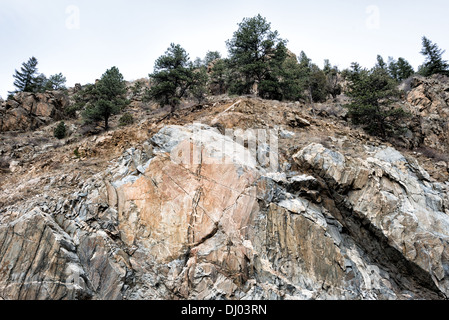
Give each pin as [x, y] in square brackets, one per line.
[83, 38]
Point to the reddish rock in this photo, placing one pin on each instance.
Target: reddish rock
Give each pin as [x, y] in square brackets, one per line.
[29, 111]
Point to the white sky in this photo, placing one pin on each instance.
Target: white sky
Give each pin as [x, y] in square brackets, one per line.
[83, 38]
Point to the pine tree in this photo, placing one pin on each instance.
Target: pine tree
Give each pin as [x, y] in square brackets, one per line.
[29, 80]
[305, 71]
[250, 50]
[272, 86]
[434, 63]
[318, 84]
[400, 70]
[405, 69]
[26, 77]
[173, 76]
[291, 83]
[108, 96]
[373, 93]
[393, 69]
[380, 63]
[199, 88]
[56, 82]
[60, 131]
[219, 76]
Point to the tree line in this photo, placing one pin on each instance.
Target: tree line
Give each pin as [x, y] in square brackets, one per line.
[259, 64]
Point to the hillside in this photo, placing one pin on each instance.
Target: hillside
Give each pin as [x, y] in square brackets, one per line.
[174, 207]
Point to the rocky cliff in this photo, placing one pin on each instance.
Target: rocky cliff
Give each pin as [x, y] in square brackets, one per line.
[428, 102]
[29, 111]
[186, 208]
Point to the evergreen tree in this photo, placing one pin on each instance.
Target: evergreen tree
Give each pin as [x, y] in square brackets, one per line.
[60, 131]
[250, 50]
[29, 80]
[172, 78]
[393, 69]
[109, 97]
[219, 76]
[272, 86]
[56, 82]
[198, 63]
[434, 63]
[84, 98]
[312, 79]
[291, 84]
[327, 66]
[305, 70]
[400, 69]
[199, 88]
[318, 84]
[373, 93]
[25, 79]
[405, 69]
[40, 83]
[381, 63]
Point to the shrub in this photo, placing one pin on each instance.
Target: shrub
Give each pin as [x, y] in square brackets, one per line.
[60, 131]
[126, 120]
[137, 88]
[71, 110]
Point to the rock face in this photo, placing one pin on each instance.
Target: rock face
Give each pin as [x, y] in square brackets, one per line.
[394, 200]
[195, 214]
[28, 111]
[428, 101]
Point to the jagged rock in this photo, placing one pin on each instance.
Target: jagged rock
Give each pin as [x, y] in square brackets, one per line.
[195, 214]
[296, 121]
[38, 260]
[29, 111]
[395, 199]
[77, 88]
[428, 100]
[194, 225]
